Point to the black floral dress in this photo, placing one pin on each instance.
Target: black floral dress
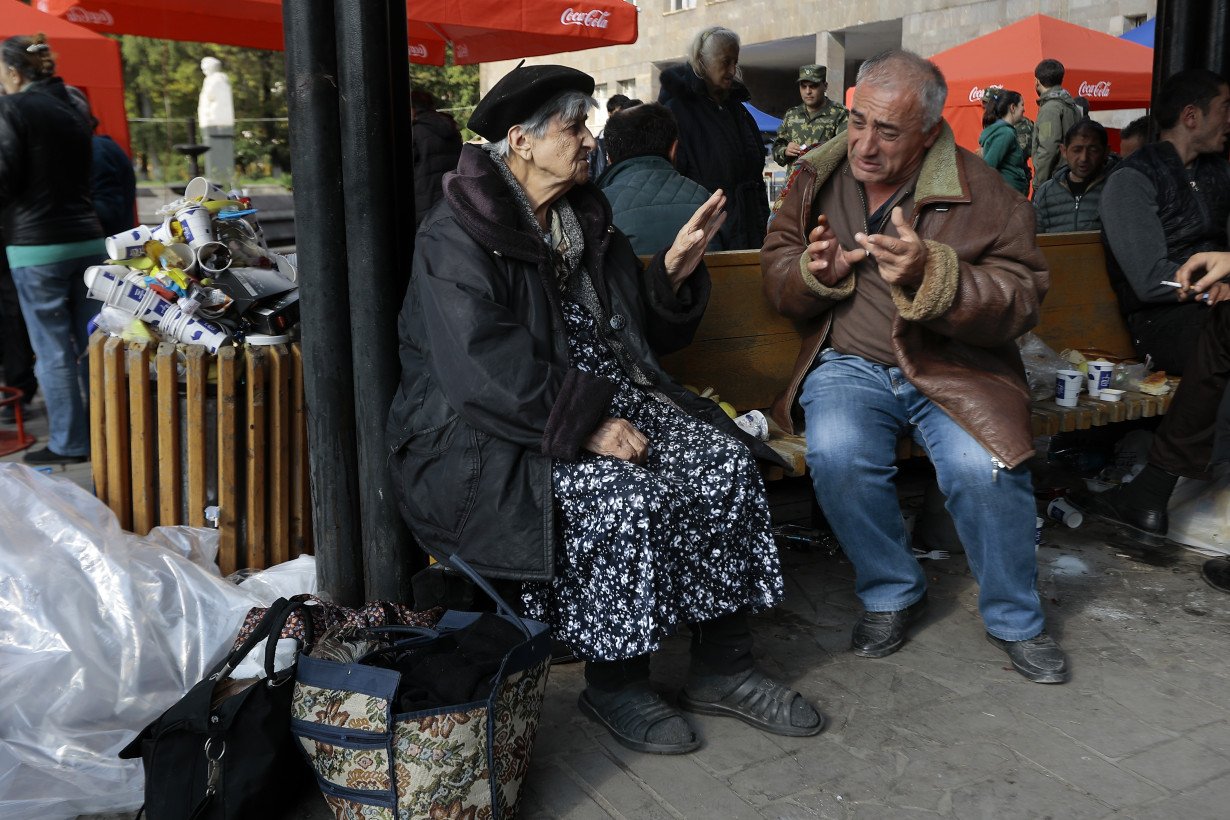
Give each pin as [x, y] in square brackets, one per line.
[683, 538]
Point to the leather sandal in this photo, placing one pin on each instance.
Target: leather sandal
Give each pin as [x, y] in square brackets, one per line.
[758, 701]
[631, 716]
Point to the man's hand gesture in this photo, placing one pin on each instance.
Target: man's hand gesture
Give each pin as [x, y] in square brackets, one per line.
[829, 262]
[902, 259]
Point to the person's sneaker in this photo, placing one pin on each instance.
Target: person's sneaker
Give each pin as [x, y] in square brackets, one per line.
[882, 633]
[50, 456]
[1141, 520]
[1038, 658]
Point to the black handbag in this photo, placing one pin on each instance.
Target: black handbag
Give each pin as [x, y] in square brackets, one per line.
[224, 750]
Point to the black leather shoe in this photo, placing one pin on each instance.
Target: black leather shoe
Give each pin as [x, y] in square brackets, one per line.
[1143, 521]
[50, 456]
[1038, 658]
[1216, 573]
[882, 633]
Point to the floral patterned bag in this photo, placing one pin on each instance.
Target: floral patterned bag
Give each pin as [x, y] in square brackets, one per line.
[462, 760]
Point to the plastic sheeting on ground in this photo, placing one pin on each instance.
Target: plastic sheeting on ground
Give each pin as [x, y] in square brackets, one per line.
[1200, 515]
[100, 631]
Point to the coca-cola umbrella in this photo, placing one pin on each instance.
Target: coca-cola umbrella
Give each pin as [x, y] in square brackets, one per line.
[1110, 72]
[479, 30]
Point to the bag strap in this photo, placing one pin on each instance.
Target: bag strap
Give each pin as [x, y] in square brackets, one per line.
[258, 634]
[420, 635]
[275, 632]
[479, 581]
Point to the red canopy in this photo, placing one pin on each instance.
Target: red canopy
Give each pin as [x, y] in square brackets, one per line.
[1108, 71]
[480, 30]
[83, 58]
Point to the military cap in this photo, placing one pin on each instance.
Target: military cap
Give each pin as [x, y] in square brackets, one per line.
[520, 93]
[813, 74]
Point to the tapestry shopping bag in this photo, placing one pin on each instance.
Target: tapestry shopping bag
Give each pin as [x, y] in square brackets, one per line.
[465, 759]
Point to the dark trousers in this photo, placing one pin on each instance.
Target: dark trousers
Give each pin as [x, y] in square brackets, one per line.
[1168, 333]
[18, 354]
[1191, 435]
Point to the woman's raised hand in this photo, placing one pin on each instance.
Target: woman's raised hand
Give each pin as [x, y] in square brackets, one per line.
[619, 439]
[693, 238]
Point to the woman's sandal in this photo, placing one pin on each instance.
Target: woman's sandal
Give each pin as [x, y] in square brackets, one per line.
[757, 701]
[631, 715]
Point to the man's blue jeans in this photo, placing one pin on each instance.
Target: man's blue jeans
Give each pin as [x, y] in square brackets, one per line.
[57, 309]
[856, 410]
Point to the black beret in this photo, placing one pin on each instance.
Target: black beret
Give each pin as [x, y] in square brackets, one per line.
[520, 93]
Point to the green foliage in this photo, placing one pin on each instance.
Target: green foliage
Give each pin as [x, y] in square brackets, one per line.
[162, 80]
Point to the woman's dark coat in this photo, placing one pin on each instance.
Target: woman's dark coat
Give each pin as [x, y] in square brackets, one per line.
[487, 397]
[721, 147]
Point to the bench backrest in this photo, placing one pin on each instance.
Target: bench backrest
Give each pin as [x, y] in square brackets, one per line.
[746, 351]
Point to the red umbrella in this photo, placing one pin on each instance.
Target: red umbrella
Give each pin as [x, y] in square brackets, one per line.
[479, 30]
[84, 59]
[1110, 72]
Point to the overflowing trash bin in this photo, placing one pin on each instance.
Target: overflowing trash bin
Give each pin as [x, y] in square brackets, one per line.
[196, 381]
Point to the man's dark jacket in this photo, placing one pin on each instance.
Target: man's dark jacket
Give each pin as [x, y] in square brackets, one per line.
[45, 165]
[720, 147]
[114, 186]
[1059, 211]
[488, 398]
[1192, 221]
[437, 144]
[651, 201]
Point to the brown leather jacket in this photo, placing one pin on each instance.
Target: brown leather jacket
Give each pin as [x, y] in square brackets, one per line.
[955, 336]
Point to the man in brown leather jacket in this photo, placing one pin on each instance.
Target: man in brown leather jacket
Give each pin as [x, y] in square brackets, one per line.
[910, 269]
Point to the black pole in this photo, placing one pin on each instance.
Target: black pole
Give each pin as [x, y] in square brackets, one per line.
[377, 234]
[320, 232]
[1190, 34]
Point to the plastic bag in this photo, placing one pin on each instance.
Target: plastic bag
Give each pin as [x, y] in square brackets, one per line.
[1200, 515]
[1041, 365]
[102, 631]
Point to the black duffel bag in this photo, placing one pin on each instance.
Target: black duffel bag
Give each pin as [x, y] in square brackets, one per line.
[225, 751]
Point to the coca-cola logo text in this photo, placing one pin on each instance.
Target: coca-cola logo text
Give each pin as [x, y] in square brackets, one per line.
[975, 93]
[589, 19]
[1099, 89]
[102, 17]
[418, 50]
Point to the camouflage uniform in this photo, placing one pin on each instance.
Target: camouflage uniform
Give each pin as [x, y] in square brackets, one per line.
[812, 131]
[1025, 135]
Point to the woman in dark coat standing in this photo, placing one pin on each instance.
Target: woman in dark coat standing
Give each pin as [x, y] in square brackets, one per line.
[719, 143]
[51, 233]
[535, 434]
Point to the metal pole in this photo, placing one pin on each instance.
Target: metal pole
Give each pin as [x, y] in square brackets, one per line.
[320, 229]
[380, 246]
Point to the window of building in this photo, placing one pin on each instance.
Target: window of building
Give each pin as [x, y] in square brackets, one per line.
[681, 5]
[1131, 21]
[627, 88]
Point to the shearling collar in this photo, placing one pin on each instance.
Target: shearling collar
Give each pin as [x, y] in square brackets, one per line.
[940, 179]
[488, 211]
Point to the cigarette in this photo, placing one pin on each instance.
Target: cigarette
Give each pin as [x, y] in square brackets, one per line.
[1170, 284]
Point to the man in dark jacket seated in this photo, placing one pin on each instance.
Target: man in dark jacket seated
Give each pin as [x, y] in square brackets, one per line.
[910, 270]
[651, 201]
[1069, 200]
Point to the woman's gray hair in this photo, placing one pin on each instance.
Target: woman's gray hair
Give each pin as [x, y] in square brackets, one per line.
[706, 43]
[568, 105]
[898, 68]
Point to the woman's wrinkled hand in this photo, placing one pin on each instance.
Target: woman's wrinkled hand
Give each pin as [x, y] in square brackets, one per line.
[693, 238]
[619, 439]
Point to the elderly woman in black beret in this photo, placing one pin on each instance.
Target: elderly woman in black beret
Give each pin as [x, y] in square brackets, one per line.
[535, 434]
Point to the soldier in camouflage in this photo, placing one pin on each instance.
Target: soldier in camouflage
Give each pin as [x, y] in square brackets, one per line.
[811, 124]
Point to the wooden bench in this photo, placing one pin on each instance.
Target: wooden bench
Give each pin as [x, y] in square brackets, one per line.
[174, 430]
[746, 351]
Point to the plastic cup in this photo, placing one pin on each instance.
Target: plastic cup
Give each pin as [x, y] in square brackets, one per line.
[179, 256]
[123, 289]
[163, 232]
[197, 224]
[1110, 394]
[176, 324]
[754, 424]
[200, 189]
[1100, 372]
[1060, 510]
[128, 244]
[213, 257]
[1068, 387]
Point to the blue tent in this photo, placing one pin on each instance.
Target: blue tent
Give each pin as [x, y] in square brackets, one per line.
[1143, 33]
[765, 122]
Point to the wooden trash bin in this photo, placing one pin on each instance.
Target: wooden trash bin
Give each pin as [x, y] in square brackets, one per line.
[175, 430]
